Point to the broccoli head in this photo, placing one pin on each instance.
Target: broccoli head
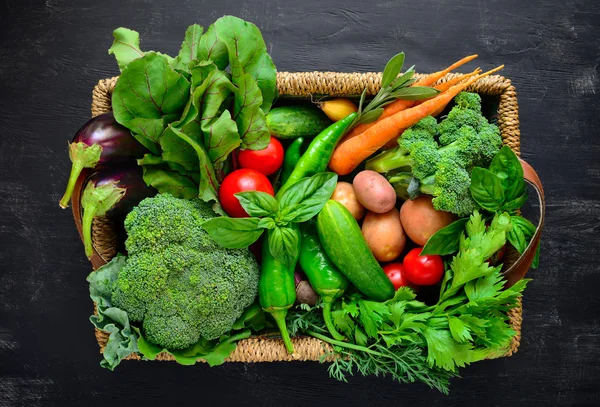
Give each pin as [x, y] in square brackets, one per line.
[177, 281]
[450, 187]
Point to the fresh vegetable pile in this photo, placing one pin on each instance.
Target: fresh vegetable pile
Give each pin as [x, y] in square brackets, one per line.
[396, 209]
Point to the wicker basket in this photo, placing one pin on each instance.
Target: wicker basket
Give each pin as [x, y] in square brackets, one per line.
[307, 84]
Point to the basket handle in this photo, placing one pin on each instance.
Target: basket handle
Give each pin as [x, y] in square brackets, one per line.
[518, 270]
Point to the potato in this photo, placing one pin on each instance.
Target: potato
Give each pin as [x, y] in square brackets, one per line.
[420, 220]
[384, 234]
[374, 192]
[344, 194]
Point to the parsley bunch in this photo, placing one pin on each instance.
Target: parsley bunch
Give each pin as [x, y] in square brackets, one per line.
[409, 340]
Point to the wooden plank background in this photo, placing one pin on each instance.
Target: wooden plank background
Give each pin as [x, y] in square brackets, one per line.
[53, 52]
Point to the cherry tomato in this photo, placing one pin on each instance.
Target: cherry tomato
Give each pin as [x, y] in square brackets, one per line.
[240, 181]
[266, 161]
[395, 272]
[423, 270]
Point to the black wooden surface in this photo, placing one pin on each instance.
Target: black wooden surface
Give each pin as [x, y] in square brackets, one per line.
[53, 52]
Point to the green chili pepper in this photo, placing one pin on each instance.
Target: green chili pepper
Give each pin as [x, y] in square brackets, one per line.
[323, 276]
[319, 152]
[276, 291]
[292, 155]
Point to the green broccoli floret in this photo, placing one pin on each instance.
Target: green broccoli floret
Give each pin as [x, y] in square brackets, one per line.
[450, 186]
[177, 281]
[417, 149]
[468, 100]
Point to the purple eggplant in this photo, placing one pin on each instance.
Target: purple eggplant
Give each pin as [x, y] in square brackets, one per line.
[113, 193]
[101, 141]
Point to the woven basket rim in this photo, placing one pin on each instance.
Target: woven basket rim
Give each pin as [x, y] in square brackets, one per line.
[261, 349]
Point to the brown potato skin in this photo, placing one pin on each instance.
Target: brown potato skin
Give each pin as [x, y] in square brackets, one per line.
[420, 220]
[344, 194]
[374, 192]
[384, 234]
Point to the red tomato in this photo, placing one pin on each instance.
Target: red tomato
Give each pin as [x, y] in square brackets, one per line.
[266, 161]
[423, 270]
[240, 181]
[395, 272]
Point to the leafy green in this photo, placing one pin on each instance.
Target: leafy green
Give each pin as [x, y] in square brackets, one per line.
[284, 244]
[189, 111]
[244, 40]
[126, 46]
[189, 48]
[148, 96]
[122, 340]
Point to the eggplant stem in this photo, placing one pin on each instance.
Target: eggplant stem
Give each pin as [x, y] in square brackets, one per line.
[279, 317]
[76, 169]
[86, 223]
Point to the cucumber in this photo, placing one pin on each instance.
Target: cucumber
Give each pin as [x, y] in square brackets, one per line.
[297, 121]
[345, 245]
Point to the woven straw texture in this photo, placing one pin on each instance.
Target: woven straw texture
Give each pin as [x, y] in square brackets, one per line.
[270, 349]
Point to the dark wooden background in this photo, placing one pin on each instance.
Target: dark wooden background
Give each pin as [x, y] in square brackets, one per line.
[53, 52]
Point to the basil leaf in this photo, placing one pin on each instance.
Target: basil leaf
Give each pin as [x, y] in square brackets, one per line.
[257, 203]
[233, 233]
[189, 48]
[148, 96]
[267, 223]
[414, 93]
[446, 240]
[125, 47]
[517, 238]
[284, 243]
[392, 69]
[508, 169]
[306, 198]
[486, 189]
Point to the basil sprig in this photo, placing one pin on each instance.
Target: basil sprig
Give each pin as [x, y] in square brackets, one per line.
[300, 203]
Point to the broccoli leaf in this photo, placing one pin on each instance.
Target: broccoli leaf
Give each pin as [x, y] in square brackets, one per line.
[122, 341]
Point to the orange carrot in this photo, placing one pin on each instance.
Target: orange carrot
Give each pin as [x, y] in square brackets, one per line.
[349, 154]
[401, 104]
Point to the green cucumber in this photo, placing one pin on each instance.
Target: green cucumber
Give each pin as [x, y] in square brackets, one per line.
[345, 245]
[297, 121]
